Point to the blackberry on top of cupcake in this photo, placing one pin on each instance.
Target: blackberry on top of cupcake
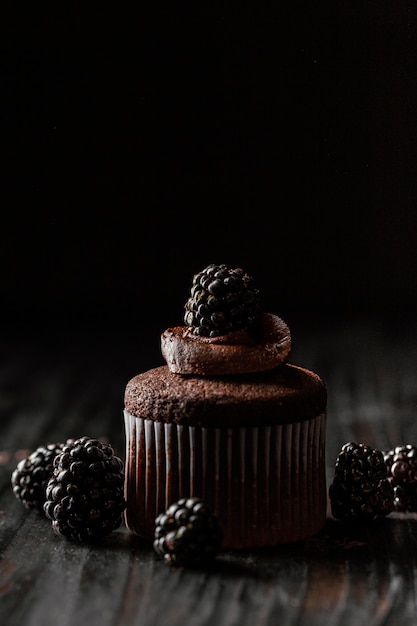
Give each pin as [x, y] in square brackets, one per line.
[222, 301]
[225, 330]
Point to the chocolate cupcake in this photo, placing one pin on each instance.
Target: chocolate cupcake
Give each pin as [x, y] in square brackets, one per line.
[228, 419]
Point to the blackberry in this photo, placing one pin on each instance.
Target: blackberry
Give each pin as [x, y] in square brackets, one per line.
[360, 490]
[222, 301]
[401, 462]
[84, 496]
[188, 533]
[30, 477]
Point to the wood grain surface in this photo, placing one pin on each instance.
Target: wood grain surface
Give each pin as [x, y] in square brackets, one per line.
[52, 388]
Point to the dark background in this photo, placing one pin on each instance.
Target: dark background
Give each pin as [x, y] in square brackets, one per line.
[139, 148]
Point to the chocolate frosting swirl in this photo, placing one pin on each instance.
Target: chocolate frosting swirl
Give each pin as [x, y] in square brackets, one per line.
[235, 353]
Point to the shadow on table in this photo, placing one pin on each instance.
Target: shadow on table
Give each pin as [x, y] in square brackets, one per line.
[379, 545]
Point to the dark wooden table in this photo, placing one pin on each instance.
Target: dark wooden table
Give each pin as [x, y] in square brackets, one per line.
[55, 387]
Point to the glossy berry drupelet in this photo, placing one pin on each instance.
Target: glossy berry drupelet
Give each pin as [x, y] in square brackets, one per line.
[84, 496]
[401, 462]
[188, 533]
[31, 475]
[360, 490]
[222, 301]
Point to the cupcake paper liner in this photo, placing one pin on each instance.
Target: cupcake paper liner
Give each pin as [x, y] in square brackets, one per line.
[267, 485]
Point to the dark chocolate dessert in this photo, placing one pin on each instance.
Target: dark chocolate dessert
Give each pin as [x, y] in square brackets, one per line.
[228, 419]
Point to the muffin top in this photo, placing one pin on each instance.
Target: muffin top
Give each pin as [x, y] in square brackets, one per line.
[285, 394]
